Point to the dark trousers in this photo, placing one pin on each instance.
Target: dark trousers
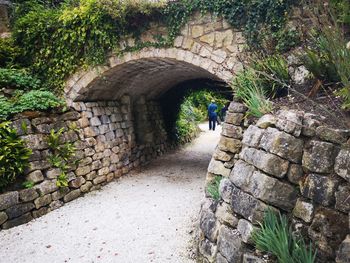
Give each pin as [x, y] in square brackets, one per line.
[212, 122]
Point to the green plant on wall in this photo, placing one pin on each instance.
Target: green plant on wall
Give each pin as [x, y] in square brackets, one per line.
[60, 155]
[14, 154]
[213, 188]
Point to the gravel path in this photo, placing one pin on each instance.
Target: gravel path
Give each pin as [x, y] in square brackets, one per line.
[147, 216]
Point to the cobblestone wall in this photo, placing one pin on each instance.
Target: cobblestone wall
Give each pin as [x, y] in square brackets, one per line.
[288, 161]
[102, 132]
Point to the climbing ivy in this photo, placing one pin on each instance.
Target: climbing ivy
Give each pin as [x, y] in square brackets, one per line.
[58, 38]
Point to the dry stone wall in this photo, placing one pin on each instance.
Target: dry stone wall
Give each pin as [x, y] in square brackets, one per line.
[289, 162]
[104, 136]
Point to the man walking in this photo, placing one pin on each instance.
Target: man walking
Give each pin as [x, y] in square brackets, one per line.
[212, 115]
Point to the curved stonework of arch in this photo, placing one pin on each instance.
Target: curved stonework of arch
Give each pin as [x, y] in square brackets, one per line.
[207, 48]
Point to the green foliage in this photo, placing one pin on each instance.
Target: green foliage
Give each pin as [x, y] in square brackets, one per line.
[342, 10]
[276, 237]
[248, 88]
[18, 79]
[61, 155]
[36, 100]
[213, 188]
[28, 184]
[14, 154]
[10, 54]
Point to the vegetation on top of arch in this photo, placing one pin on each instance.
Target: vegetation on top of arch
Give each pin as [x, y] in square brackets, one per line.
[57, 37]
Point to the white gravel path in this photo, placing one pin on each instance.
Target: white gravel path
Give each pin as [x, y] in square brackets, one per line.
[147, 216]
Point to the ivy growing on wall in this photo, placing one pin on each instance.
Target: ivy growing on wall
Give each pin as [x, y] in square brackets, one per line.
[59, 38]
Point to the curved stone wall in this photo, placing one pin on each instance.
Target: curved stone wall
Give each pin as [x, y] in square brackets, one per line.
[288, 161]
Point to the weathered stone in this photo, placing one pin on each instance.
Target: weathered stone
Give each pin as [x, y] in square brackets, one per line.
[47, 187]
[237, 107]
[76, 183]
[53, 173]
[325, 233]
[99, 179]
[83, 170]
[104, 170]
[225, 190]
[36, 141]
[342, 197]
[319, 156]
[72, 195]
[225, 215]
[343, 254]
[320, 189]
[90, 176]
[245, 228]
[42, 201]
[342, 164]
[60, 193]
[27, 195]
[208, 38]
[332, 135]
[221, 156]
[91, 131]
[8, 199]
[232, 131]
[252, 136]
[86, 187]
[295, 173]
[267, 162]
[220, 258]
[217, 167]
[282, 144]
[310, 124]
[230, 244]
[38, 165]
[17, 221]
[250, 258]
[3, 217]
[19, 209]
[234, 118]
[266, 121]
[304, 210]
[35, 177]
[42, 211]
[263, 187]
[209, 225]
[229, 144]
[55, 204]
[208, 249]
[290, 122]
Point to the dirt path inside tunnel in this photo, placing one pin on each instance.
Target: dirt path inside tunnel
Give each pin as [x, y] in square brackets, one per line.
[147, 216]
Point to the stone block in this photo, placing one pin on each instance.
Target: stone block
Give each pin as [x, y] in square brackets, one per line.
[234, 118]
[295, 173]
[252, 136]
[17, 221]
[72, 195]
[225, 215]
[229, 144]
[310, 124]
[221, 156]
[267, 162]
[99, 179]
[60, 193]
[27, 195]
[237, 107]
[8, 199]
[55, 204]
[250, 258]
[342, 199]
[282, 144]
[90, 176]
[47, 187]
[42, 211]
[220, 259]
[290, 122]
[319, 156]
[208, 250]
[320, 189]
[268, 120]
[3, 217]
[76, 183]
[343, 254]
[217, 167]
[232, 131]
[35, 177]
[342, 164]
[86, 187]
[42, 201]
[332, 135]
[36, 141]
[304, 210]
[208, 39]
[19, 209]
[209, 225]
[53, 173]
[230, 244]
[225, 190]
[83, 170]
[245, 228]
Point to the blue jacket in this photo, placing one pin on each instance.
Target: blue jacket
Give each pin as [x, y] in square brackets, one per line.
[212, 110]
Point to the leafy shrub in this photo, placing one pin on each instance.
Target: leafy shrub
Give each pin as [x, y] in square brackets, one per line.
[248, 88]
[213, 188]
[10, 54]
[19, 79]
[14, 154]
[275, 236]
